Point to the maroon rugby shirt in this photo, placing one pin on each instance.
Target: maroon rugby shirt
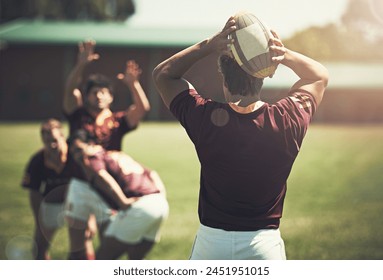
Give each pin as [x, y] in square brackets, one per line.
[245, 158]
[108, 134]
[132, 183]
[48, 182]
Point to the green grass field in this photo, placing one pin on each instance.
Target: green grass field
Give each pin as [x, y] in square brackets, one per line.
[333, 208]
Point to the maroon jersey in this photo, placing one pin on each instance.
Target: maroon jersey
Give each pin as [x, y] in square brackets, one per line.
[51, 185]
[245, 158]
[108, 134]
[132, 177]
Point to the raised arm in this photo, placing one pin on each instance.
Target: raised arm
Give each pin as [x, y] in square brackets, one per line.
[140, 106]
[72, 95]
[168, 75]
[313, 75]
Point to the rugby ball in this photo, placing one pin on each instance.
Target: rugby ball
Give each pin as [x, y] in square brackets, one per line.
[251, 45]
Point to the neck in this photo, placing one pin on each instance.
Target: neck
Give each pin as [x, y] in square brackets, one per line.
[100, 114]
[56, 161]
[94, 111]
[244, 104]
[241, 100]
[246, 109]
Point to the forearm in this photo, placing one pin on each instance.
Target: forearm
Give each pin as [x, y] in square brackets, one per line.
[305, 67]
[141, 103]
[102, 181]
[140, 106]
[177, 65]
[313, 75]
[71, 97]
[108, 185]
[75, 76]
[168, 75]
[139, 97]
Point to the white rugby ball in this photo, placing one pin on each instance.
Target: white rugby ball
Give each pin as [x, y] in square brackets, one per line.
[251, 45]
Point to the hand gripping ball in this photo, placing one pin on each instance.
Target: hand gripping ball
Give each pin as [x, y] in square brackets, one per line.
[251, 46]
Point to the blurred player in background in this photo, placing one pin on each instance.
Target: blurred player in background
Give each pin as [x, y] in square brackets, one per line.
[127, 199]
[246, 147]
[46, 177]
[89, 108]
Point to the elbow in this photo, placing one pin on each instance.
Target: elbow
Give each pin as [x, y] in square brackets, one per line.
[325, 76]
[146, 109]
[320, 76]
[161, 74]
[157, 73]
[146, 106]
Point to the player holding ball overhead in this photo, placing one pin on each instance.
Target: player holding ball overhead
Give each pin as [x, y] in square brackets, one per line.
[246, 147]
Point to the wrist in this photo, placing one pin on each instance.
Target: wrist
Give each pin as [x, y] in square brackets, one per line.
[287, 57]
[206, 46]
[126, 203]
[81, 64]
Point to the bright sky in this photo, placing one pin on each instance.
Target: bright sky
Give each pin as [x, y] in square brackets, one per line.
[284, 16]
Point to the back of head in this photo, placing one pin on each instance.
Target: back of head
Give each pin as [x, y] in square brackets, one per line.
[82, 145]
[237, 81]
[82, 136]
[98, 80]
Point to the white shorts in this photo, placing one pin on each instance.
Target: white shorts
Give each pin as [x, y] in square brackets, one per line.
[218, 244]
[82, 201]
[52, 215]
[141, 221]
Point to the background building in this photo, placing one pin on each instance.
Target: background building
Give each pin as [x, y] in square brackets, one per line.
[36, 57]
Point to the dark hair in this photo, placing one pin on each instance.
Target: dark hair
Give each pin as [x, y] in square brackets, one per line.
[237, 80]
[82, 135]
[50, 124]
[98, 80]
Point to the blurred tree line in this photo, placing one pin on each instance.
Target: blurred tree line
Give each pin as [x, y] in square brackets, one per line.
[95, 10]
[357, 37]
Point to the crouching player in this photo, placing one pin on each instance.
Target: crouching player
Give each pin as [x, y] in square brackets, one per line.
[127, 199]
[46, 177]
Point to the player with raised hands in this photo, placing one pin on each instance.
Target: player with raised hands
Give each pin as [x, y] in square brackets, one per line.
[89, 108]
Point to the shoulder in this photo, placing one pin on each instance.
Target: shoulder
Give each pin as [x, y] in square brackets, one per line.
[292, 113]
[304, 99]
[121, 123]
[297, 102]
[37, 159]
[119, 116]
[34, 172]
[188, 101]
[78, 112]
[188, 94]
